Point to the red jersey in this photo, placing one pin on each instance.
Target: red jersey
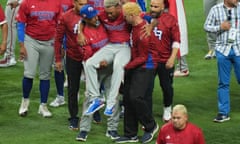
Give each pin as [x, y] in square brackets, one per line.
[117, 30]
[2, 16]
[66, 5]
[97, 4]
[191, 134]
[40, 17]
[68, 25]
[96, 39]
[141, 52]
[163, 36]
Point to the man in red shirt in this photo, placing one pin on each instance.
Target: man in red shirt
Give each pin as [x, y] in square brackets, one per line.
[179, 130]
[68, 25]
[139, 73]
[4, 27]
[97, 38]
[37, 21]
[117, 53]
[166, 37]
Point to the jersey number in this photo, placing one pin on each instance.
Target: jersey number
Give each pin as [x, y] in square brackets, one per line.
[157, 33]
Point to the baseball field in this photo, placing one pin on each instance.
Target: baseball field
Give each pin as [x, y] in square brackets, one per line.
[198, 92]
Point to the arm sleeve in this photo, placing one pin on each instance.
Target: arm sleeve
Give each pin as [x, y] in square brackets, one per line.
[21, 31]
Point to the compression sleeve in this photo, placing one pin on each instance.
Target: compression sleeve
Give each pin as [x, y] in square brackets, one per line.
[21, 31]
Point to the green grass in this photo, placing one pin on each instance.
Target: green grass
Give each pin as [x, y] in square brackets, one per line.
[197, 92]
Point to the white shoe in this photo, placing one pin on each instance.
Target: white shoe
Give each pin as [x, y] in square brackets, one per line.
[7, 62]
[167, 113]
[179, 73]
[24, 107]
[58, 101]
[210, 55]
[43, 110]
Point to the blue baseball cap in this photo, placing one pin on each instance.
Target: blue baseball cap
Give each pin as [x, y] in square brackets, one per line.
[88, 11]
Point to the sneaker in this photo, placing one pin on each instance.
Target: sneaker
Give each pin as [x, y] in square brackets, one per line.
[148, 136]
[209, 55]
[109, 111]
[167, 113]
[7, 62]
[94, 106]
[127, 139]
[58, 101]
[112, 134]
[221, 118]
[73, 124]
[179, 73]
[82, 136]
[24, 107]
[43, 110]
[97, 117]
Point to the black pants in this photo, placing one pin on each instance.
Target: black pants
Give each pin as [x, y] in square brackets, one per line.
[166, 80]
[136, 109]
[74, 69]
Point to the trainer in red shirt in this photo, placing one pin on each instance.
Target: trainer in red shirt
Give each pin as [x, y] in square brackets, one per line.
[179, 130]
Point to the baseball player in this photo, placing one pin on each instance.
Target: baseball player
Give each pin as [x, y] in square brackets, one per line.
[68, 25]
[176, 8]
[36, 26]
[59, 76]
[97, 38]
[4, 28]
[11, 10]
[211, 37]
[167, 40]
[118, 55]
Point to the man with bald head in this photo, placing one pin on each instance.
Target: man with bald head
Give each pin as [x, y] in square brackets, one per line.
[180, 130]
[166, 38]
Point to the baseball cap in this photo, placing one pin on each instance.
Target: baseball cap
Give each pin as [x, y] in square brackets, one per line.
[109, 3]
[88, 11]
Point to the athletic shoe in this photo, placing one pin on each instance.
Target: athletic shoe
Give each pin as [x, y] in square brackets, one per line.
[7, 62]
[97, 117]
[82, 136]
[167, 113]
[109, 111]
[43, 110]
[73, 123]
[112, 134]
[58, 101]
[210, 55]
[179, 73]
[94, 106]
[24, 107]
[148, 136]
[127, 139]
[221, 118]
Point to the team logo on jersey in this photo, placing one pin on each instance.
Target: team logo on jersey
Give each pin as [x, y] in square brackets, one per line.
[33, 6]
[157, 33]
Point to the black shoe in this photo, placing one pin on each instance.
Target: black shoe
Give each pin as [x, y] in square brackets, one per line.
[127, 139]
[73, 123]
[82, 136]
[97, 118]
[221, 118]
[148, 136]
[112, 134]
